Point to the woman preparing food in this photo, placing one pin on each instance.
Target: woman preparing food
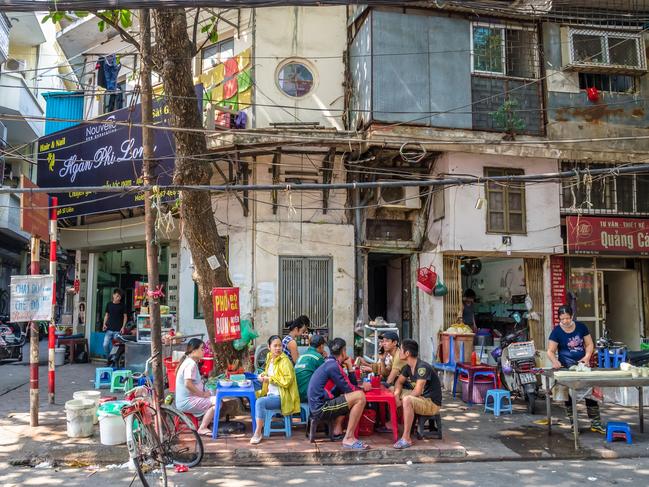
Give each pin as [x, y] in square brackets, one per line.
[569, 344]
[279, 390]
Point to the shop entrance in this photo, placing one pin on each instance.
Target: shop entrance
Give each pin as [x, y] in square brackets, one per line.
[606, 294]
[124, 269]
[388, 290]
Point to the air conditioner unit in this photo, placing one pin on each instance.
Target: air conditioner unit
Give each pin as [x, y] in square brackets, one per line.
[16, 65]
[401, 197]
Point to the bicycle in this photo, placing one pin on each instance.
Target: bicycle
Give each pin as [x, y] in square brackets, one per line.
[158, 434]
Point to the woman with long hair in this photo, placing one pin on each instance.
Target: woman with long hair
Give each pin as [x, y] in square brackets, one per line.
[297, 327]
[279, 390]
[191, 397]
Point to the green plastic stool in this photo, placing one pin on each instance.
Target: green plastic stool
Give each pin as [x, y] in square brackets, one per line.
[121, 380]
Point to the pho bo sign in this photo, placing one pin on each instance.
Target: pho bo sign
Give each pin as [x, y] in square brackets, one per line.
[31, 298]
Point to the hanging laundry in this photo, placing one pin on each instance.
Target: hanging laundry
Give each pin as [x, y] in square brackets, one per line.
[101, 78]
[111, 70]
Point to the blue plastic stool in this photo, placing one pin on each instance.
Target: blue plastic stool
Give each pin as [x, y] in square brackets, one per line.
[103, 377]
[618, 427]
[270, 427]
[607, 359]
[498, 395]
[304, 415]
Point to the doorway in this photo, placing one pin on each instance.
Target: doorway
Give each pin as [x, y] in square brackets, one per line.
[388, 290]
[622, 303]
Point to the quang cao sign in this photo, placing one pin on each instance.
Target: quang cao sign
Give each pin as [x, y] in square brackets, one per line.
[227, 318]
[30, 298]
[101, 153]
[604, 235]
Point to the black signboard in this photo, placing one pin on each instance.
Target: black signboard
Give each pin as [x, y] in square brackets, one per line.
[104, 154]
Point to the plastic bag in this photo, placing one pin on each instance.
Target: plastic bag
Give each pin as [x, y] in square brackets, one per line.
[247, 335]
[440, 289]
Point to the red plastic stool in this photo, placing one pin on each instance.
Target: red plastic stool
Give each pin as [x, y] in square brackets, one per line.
[179, 427]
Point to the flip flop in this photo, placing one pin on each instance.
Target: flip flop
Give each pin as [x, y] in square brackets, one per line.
[338, 437]
[402, 444]
[357, 445]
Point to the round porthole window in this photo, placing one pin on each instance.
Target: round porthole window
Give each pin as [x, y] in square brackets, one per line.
[295, 79]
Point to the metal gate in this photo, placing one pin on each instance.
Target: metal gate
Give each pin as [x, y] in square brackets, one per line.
[306, 288]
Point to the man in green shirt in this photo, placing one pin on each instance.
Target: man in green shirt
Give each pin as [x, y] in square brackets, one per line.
[307, 363]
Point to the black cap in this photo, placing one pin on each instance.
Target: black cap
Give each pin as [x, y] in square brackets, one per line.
[390, 335]
[317, 340]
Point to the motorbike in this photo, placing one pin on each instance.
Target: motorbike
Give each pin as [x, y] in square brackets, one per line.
[516, 363]
[116, 358]
[12, 340]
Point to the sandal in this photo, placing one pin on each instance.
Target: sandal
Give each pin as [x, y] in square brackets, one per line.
[255, 440]
[337, 437]
[402, 444]
[357, 445]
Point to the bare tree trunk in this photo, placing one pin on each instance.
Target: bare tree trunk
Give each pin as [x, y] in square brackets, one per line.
[200, 231]
[148, 170]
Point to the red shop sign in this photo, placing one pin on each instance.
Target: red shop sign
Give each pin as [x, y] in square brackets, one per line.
[225, 301]
[558, 276]
[603, 235]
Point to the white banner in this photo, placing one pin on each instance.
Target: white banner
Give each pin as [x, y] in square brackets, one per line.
[31, 298]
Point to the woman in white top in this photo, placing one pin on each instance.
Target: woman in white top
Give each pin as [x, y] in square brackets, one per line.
[191, 397]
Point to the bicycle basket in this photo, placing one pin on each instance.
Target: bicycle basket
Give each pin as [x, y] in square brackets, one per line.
[521, 350]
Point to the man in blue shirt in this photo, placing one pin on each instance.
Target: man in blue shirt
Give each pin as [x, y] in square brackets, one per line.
[332, 396]
[569, 344]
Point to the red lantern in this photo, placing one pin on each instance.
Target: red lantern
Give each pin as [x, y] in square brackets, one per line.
[592, 94]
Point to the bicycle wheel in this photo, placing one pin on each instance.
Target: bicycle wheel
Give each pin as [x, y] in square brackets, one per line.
[145, 450]
[182, 443]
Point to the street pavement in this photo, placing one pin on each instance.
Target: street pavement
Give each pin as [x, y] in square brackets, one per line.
[626, 472]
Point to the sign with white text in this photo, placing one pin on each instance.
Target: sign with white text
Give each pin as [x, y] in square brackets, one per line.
[31, 298]
[227, 320]
[596, 235]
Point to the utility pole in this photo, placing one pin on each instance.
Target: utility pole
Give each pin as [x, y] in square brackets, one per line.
[34, 269]
[51, 373]
[148, 171]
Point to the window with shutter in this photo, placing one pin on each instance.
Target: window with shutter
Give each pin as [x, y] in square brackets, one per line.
[306, 288]
[505, 202]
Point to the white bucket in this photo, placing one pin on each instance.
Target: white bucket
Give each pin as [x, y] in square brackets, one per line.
[79, 414]
[91, 396]
[59, 356]
[112, 429]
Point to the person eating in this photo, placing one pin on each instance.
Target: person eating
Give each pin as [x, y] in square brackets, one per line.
[418, 390]
[279, 387]
[332, 396]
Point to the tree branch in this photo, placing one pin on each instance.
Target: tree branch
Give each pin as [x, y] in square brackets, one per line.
[195, 31]
[122, 32]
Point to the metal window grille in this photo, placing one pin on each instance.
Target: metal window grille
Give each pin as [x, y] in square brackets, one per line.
[452, 299]
[606, 48]
[306, 288]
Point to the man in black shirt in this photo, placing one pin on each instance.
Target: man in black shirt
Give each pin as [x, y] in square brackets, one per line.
[114, 320]
[417, 390]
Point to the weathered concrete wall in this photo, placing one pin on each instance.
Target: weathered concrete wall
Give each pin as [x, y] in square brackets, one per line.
[315, 36]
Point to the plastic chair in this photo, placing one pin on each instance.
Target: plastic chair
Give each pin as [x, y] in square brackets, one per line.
[312, 428]
[610, 359]
[103, 377]
[304, 415]
[270, 427]
[452, 363]
[434, 426]
[179, 427]
[488, 374]
[498, 395]
[121, 380]
[613, 427]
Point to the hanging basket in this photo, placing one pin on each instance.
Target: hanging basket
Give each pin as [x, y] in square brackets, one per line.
[426, 279]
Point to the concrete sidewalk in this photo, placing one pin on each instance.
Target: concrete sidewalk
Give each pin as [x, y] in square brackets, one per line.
[469, 434]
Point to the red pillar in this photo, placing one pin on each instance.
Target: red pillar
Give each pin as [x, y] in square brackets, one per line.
[51, 374]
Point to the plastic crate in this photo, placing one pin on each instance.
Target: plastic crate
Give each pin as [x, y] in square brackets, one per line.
[521, 350]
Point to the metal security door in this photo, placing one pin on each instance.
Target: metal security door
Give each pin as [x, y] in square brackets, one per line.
[306, 288]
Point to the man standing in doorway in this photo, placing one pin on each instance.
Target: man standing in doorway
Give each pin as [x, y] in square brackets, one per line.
[114, 320]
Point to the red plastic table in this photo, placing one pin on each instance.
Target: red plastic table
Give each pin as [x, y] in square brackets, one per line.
[383, 395]
[471, 370]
